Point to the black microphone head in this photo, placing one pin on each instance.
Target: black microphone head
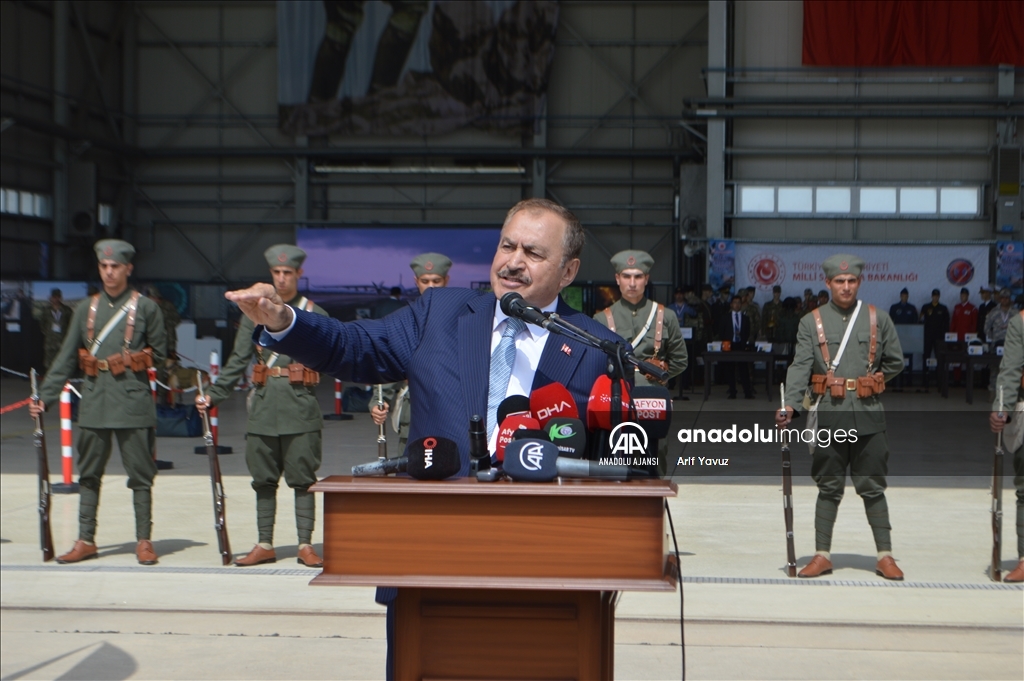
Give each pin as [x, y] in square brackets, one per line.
[531, 461]
[653, 410]
[513, 404]
[433, 458]
[530, 434]
[507, 300]
[569, 436]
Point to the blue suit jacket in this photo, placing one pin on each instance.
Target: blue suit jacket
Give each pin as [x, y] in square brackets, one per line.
[441, 344]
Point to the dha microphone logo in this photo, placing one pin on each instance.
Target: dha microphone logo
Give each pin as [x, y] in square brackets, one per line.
[628, 439]
[428, 451]
[547, 412]
[531, 456]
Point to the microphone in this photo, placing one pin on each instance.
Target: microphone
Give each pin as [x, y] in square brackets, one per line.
[508, 428]
[533, 460]
[530, 434]
[514, 305]
[513, 404]
[569, 436]
[653, 410]
[578, 468]
[479, 457]
[552, 400]
[599, 404]
[429, 458]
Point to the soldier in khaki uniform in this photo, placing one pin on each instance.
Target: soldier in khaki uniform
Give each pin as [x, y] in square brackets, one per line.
[285, 423]
[652, 328]
[115, 335]
[1011, 380]
[751, 309]
[771, 313]
[54, 322]
[431, 270]
[847, 398]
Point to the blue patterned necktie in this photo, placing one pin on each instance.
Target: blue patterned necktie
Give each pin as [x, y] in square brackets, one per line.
[502, 360]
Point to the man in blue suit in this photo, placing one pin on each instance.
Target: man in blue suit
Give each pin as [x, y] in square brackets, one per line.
[449, 343]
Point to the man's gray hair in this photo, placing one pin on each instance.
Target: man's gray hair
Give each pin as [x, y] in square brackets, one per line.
[574, 237]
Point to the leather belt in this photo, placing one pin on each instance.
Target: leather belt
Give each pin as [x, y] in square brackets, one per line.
[277, 372]
[851, 384]
[103, 365]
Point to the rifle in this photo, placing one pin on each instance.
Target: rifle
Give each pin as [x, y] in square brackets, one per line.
[382, 440]
[219, 517]
[994, 571]
[787, 495]
[39, 440]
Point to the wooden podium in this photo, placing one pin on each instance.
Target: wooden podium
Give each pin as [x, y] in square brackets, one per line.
[498, 580]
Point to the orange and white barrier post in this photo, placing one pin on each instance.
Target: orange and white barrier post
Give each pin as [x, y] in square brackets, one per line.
[338, 415]
[151, 372]
[67, 486]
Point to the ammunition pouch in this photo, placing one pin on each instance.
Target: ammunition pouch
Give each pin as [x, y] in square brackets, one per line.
[818, 383]
[865, 386]
[868, 386]
[297, 374]
[115, 364]
[310, 378]
[87, 363]
[837, 387]
[142, 360]
[259, 374]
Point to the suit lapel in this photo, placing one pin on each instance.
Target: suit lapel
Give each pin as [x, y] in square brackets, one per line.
[555, 365]
[474, 352]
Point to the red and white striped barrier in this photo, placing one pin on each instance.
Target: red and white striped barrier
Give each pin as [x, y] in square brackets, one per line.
[338, 415]
[66, 451]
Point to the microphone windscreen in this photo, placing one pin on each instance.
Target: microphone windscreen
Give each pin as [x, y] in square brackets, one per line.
[653, 410]
[433, 458]
[507, 300]
[531, 461]
[599, 409]
[552, 400]
[530, 434]
[508, 428]
[513, 404]
[569, 436]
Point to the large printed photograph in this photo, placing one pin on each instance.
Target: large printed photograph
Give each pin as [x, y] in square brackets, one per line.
[412, 67]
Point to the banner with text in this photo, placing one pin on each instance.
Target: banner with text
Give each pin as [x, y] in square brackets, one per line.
[888, 269]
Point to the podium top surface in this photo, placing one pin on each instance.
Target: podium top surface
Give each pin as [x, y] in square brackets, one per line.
[471, 486]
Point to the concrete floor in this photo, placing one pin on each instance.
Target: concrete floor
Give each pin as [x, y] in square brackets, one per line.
[190, 618]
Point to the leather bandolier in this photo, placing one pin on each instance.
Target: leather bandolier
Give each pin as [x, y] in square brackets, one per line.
[116, 363]
[297, 374]
[865, 386]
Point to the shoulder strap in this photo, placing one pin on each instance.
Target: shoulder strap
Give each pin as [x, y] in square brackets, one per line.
[873, 346]
[650, 320]
[822, 341]
[658, 328]
[109, 326]
[611, 320]
[129, 329]
[90, 324]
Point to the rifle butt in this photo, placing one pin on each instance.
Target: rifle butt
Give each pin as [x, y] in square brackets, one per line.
[995, 568]
[787, 511]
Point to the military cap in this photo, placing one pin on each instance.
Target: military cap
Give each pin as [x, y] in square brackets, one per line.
[116, 250]
[964, 290]
[724, 288]
[843, 263]
[430, 263]
[55, 293]
[285, 255]
[776, 289]
[904, 290]
[632, 260]
[936, 292]
[985, 287]
[1005, 293]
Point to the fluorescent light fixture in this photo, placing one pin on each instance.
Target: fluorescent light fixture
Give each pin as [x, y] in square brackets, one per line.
[833, 200]
[796, 199]
[958, 201]
[420, 170]
[917, 200]
[757, 199]
[878, 200]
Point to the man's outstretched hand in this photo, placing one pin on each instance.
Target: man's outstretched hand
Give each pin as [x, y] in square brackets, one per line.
[262, 305]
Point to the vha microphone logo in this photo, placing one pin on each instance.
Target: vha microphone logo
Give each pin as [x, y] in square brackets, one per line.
[628, 439]
[428, 452]
[547, 412]
[532, 455]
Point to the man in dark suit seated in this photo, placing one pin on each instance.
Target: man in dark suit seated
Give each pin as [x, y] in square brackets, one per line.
[455, 346]
[735, 328]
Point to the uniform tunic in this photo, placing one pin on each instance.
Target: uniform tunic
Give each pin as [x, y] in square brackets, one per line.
[630, 320]
[112, 407]
[54, 325]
